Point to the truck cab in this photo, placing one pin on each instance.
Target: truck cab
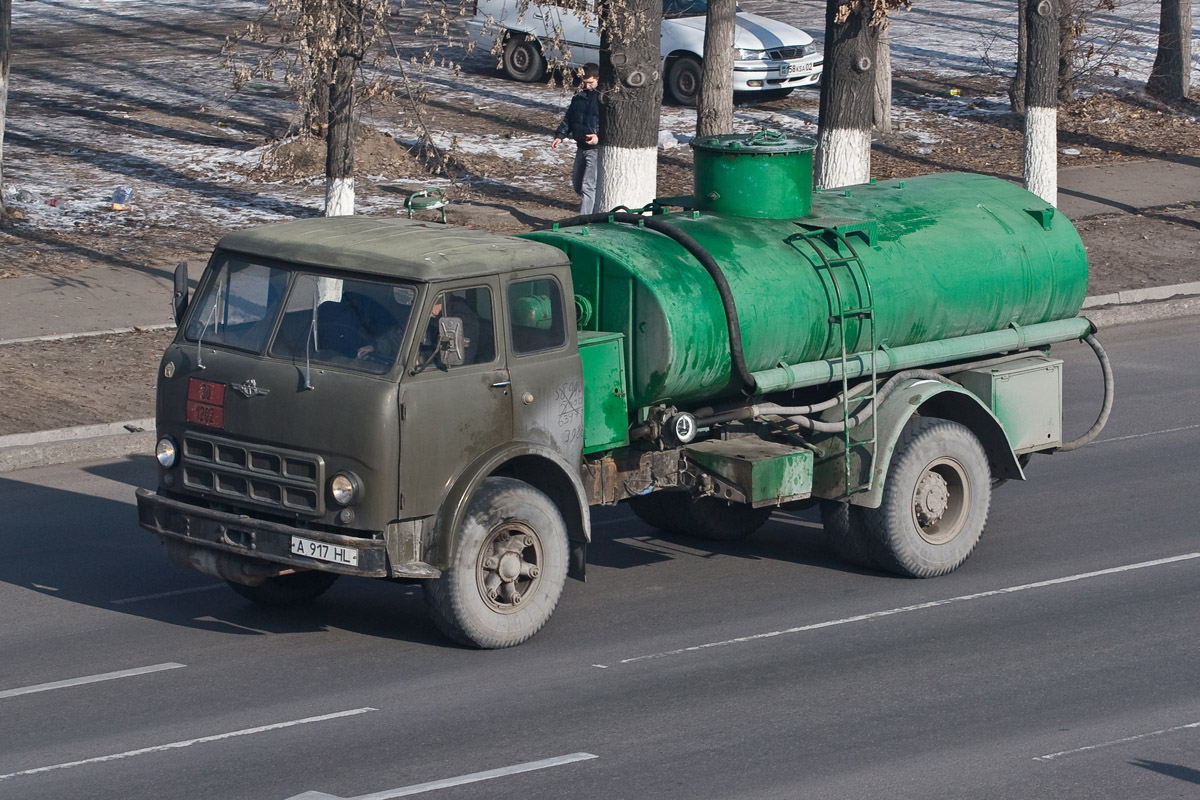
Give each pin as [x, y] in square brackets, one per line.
[340, 389]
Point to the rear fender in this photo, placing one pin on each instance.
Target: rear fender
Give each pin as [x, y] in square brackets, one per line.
[928, 398]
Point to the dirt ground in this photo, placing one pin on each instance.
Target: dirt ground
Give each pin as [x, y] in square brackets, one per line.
[110, 378]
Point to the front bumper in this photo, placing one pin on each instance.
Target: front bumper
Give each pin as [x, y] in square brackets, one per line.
[759, 76]
[185, 527]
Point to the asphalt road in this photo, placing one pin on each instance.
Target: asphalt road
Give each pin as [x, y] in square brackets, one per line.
[1060, 661]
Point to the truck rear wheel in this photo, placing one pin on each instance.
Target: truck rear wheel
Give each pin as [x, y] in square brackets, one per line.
[287, 590]
[847, 535]
[935, 501]
[681, 514]
[508, 569]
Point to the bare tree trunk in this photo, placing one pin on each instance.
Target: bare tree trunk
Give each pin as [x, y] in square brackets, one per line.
[1041, 96]
[847, 86]
[715, 114]
[881, 108]
[1066, 50]
[339, 141]
[5, 48]
[630, 103]
[1016, 90]
[1171, 76]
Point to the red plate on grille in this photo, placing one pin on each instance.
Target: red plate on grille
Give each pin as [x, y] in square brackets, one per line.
[206, 403]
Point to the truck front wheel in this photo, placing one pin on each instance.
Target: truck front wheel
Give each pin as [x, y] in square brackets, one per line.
[935, 501]
[508, 569]
[701, 517]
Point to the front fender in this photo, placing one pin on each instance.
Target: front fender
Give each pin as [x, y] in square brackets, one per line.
[537, 465]
[869, 463]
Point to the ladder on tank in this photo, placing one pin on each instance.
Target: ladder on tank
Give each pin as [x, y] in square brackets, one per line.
[865, 314]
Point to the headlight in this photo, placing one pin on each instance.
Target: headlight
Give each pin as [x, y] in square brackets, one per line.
[164, 451]
[345, 488]
[749, 55]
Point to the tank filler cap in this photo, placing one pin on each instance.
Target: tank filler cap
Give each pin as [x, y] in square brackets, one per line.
[761, 142]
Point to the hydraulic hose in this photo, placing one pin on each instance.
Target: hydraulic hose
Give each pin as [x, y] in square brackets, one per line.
[736, 353]
[798, 414]
[1105, 407]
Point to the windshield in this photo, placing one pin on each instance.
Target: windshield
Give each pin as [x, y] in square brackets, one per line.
[316, 319]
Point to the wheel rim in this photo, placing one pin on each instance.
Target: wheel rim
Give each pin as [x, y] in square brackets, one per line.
[941, 499]
[687, 83]
[509, 567]
[520, 59]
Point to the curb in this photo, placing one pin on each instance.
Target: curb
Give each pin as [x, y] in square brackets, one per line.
[119, 439]
[81, 443]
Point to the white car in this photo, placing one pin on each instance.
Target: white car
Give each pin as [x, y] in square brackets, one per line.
[771, 57]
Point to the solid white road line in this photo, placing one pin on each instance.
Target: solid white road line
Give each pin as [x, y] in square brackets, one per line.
[107, 676]
[918, 607]
[189, 742]
[1052, 756]
[474, 777]
[175, 593]
[1148, 433]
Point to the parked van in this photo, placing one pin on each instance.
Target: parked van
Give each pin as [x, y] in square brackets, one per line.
[771, 57]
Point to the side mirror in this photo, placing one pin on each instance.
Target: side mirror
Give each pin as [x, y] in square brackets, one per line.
[180, 299]
[452, 344]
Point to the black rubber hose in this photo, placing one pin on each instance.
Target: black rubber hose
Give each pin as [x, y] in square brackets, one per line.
[736, 354]
[1105, 407]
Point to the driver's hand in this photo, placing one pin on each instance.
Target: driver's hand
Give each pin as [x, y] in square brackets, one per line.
[366, 350]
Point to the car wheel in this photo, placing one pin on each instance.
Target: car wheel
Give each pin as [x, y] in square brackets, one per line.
[683, 80]
[523, 59]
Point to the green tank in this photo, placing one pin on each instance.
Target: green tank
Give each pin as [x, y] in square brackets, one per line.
[928, 258]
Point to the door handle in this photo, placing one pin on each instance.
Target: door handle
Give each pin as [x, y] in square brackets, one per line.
[501, 384]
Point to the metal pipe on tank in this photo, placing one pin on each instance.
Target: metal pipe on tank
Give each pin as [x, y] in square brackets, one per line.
[815, 373]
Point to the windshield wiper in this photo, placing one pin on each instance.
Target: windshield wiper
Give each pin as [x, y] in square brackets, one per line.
[311, 342]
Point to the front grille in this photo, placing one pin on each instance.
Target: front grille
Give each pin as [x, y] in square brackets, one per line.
[789, 53]
[270, 477]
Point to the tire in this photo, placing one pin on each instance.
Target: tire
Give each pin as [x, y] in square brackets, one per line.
[847, 536]
[508, 569]
[287, 590]
[935, 501]
[680, 514]
[523, 60]
[683, 80]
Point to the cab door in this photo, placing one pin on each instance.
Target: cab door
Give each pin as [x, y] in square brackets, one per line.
[547, 375]
[452, 415]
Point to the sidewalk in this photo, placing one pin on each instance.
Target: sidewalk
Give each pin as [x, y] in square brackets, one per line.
[112, 300]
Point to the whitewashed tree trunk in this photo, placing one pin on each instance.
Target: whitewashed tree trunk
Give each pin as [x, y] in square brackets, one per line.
[339, 197]
[626, 177]
[1041, 100]
[1041, 153]
[845, 157]
[630, 103]
[847, 92]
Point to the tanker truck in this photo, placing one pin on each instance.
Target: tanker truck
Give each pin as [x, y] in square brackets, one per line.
[419, 402]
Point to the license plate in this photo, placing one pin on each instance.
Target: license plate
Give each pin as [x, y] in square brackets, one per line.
[795, 69]
[332, 553]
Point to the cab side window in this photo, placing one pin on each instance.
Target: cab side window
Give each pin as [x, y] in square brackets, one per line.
[474, 308]
[535, 314]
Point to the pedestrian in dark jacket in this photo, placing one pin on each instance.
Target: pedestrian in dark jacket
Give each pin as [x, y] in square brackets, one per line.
[582, 123]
